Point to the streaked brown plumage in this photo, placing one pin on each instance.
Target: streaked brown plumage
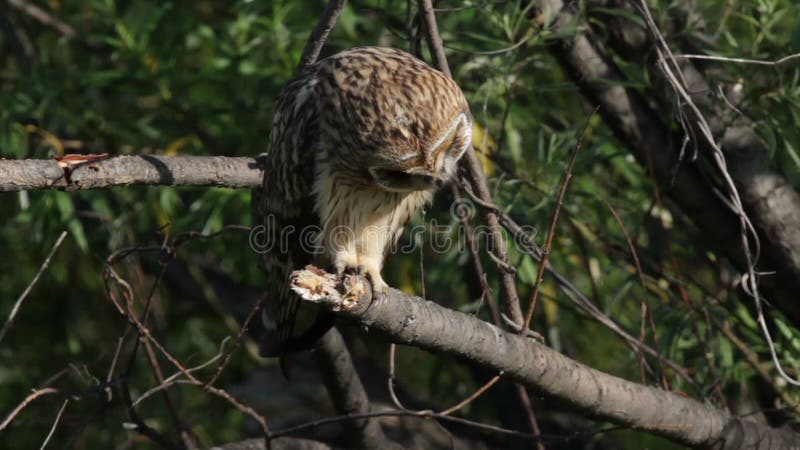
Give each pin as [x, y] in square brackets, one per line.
[360, 141]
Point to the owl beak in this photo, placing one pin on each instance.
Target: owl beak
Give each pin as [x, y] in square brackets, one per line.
[433, 179]
[415, 179]
[438, 180]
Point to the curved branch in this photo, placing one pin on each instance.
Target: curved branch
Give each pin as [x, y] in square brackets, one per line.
[414, 321]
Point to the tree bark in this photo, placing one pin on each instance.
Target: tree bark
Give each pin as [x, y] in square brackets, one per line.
[347, 392]
[770, 200]
[410, 320]
[220, 171]
[772, 203]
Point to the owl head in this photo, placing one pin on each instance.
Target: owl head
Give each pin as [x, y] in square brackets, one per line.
[429, 166]
[393, 119]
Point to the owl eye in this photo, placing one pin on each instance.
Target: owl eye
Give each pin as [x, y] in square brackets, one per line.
[399, 180]
[390, 177]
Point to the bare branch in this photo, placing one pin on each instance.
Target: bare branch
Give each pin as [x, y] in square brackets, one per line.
[44, 17]
[55, 424]
[400, 413]
[320, 34]
[575, 295]
[221, 171]
[760, 62]
[31, 397]
[347, 392]
[477, 177]
[414, 321]
[751, 190]
[18, 303]
[552, 229]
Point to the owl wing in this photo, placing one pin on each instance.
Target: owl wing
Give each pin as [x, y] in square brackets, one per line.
[284, 207]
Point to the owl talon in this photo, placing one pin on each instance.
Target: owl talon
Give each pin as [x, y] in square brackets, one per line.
[380, 290]
[379, 296]
[358, 270]
[345, 264]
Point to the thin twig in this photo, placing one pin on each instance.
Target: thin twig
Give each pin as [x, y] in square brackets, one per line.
[176, 375]
[760, 62]
[44, 17]
[31, 397]
[141, 427]
[55, 424]
[400, 413]
[552, 230]
[113, 366]
[469, 238]
[474, 395]
[750, 243]
[167, 247]
[435, 43]
[647, 311]
[18, 303]
[390, 379]
[527, 406]
[572, 292]
[499, 51]
[477, 177]
[145, 334]
[237, 341]
[498, 252]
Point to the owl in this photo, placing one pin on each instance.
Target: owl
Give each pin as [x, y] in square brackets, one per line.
[360, 141]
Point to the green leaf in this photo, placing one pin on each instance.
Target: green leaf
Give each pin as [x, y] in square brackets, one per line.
[527, 270]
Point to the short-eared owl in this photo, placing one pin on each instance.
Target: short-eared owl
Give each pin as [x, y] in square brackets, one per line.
[360, 141]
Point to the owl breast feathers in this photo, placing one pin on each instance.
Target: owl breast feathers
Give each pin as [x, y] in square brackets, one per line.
[359, 142]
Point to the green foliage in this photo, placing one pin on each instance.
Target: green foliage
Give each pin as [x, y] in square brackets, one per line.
[199, 78]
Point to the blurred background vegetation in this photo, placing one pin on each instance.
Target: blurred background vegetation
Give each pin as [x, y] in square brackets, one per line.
[199, 78]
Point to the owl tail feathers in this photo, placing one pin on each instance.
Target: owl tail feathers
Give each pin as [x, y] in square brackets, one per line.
[286, 350]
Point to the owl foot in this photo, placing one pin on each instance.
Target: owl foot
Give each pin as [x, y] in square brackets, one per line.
[358, 271]
[348, 264]
[380, 290]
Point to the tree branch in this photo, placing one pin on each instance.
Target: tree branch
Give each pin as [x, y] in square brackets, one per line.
[320, 34]
[282, 443]
[414, 321]
[221, 171]
[771, 201]
[477, 178]
[347, 392]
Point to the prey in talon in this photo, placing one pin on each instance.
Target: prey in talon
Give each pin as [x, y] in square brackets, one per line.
[380, 290]
[360, 142]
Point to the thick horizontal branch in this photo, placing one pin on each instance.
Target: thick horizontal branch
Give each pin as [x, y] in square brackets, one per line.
[412, 320]
[222, 171]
